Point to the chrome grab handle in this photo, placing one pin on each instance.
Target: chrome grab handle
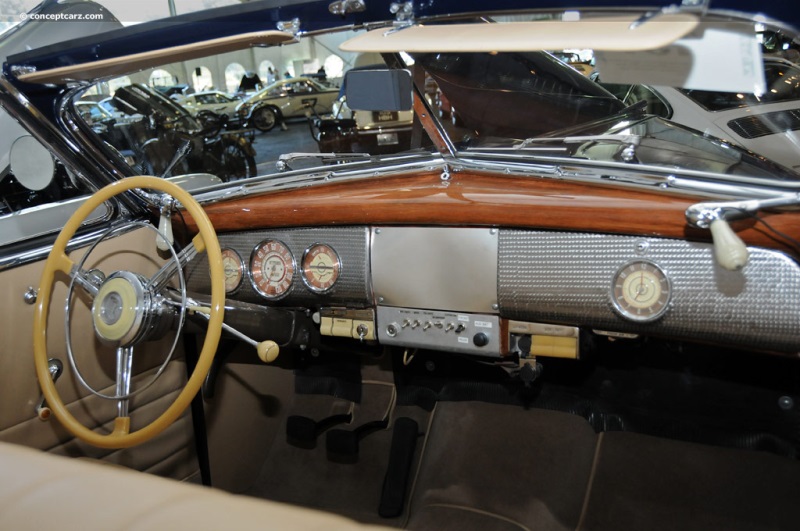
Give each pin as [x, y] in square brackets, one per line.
[730, 251]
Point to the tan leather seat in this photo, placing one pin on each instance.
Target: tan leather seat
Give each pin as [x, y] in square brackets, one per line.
[42, 491]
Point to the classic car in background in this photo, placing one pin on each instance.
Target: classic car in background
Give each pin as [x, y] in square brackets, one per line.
[563, 312]
[213, 101]
[766, 124]
[287, 98]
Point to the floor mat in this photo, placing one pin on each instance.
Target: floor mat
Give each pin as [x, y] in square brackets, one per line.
[643, 482]
[503, 467]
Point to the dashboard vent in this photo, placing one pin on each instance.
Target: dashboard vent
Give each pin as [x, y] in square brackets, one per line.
[766, 124]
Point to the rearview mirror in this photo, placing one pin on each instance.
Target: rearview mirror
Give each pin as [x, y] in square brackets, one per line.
[378, 90]
[31, 163]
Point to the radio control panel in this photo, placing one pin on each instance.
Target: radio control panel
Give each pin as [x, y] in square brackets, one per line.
[466, 333]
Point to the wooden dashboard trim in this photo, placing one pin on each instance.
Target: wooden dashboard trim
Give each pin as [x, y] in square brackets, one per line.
[476, 199]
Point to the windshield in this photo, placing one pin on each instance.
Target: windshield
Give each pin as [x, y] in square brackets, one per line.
[484, 101]
[516, 94]
[509, 100]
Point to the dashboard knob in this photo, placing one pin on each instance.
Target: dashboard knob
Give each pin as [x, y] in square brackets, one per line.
[480, 339]
[268, 351]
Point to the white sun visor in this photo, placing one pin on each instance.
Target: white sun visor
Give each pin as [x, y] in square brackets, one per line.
[609, 33]
[126, 64]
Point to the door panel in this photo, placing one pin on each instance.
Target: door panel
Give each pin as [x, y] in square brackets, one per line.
[172, 452]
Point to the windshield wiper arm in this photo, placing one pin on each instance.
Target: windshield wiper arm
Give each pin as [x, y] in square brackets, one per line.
[286, 159]
[620, 138]
[628, 154]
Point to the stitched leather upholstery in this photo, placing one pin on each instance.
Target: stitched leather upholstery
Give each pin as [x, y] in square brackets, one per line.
[42, 491]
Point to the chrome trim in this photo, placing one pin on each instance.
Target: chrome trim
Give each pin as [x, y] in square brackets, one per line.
[702, 214]
[30, 295]
[46, 219]
[41, 252]
[67, 118]
[700, 184]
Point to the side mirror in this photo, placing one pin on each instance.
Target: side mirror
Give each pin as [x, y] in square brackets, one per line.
[378, 90]
[31, 163]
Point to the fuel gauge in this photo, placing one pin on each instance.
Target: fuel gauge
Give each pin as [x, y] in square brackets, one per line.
[320, 267]
[233, 268]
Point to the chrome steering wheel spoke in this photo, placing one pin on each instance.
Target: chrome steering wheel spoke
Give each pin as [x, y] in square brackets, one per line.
[124, 374]
[128, 310]
[90, 281]
[164, 275]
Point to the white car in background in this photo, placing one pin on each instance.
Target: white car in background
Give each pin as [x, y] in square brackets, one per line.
[212, 100]
[767, 124]
[287, 98]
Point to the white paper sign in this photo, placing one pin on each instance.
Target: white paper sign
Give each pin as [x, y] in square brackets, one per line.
[715, 57]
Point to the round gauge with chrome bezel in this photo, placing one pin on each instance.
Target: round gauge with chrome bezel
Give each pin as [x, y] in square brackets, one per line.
[233, 268]
[641, 291]
[320, 267]
[272, 269]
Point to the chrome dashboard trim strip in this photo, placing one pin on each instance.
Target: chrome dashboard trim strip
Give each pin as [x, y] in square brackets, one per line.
[666, 180]
[40, 252]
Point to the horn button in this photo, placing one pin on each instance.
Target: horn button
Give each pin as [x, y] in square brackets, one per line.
[120, 311]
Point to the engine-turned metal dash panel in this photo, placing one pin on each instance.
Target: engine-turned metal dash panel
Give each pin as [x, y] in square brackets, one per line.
[352, 288]
[436, 268]
[567, 278]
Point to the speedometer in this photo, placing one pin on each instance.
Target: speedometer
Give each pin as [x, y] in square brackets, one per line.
[272, 269]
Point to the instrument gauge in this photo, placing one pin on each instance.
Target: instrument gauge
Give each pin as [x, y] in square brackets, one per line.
[233, 268]
[272, 269]
[320, 267]
[641, 291]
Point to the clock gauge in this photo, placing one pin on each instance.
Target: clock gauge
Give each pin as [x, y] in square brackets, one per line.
[272, 269]
[641, 291]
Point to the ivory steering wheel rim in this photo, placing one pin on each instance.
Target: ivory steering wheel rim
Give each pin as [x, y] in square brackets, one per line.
[206, 239]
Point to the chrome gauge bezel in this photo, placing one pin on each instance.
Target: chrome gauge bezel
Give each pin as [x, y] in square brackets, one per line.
[628, 310]
[290, 263]
[313, 285]
[234, 254]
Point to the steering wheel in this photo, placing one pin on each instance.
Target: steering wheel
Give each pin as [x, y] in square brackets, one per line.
[119, 315]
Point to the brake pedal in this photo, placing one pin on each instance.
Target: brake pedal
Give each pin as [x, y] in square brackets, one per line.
[302, 432]
[342, 445]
